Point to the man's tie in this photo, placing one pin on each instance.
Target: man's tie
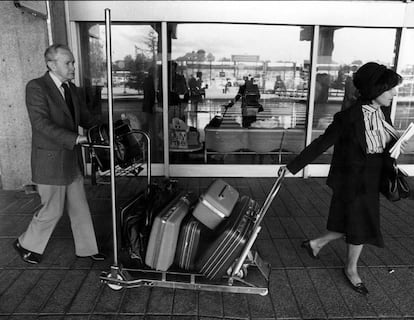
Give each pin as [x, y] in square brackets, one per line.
[68, 98]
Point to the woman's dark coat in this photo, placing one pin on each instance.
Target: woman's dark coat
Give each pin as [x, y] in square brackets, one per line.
[347, 134]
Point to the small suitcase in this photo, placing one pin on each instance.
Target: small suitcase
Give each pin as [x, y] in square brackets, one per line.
[193, 239]
[164, 233]
[216, 203]
[216, 260]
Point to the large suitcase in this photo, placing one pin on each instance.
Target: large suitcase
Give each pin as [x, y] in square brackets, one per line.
[193, 239]
[164, 233]
[233, 235]
[216, 203]
[137, 216]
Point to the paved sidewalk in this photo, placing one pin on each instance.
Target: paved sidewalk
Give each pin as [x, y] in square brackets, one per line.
[66, 287]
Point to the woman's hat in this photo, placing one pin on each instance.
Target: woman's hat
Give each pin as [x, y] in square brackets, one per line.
[373, 79]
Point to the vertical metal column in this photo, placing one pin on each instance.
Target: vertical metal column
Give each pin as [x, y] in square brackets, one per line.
[111, 129]
[165, 101]
[312, 87]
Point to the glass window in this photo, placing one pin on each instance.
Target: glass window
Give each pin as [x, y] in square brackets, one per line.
[136, 69]
[340, 52]
[240, 97]
[404, 114]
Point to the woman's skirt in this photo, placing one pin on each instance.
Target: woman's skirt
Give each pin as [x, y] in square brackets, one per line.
[359, 219]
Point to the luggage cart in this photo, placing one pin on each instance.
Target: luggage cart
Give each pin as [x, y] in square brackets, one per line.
[134, 168]
[234, 282]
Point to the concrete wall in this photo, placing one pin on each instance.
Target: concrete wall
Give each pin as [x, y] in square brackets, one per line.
[23, 39]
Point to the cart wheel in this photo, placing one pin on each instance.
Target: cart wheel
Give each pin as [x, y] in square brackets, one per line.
[115, 286]
[241, 274]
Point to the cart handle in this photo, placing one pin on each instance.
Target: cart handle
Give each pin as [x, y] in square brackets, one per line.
[271, 196]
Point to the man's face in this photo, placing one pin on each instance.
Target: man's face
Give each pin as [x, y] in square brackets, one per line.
[63, 65]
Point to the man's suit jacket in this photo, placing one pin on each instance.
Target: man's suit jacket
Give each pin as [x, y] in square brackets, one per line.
[347, 134]
[55, 158]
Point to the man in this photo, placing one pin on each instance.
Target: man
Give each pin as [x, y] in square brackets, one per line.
[55, 112]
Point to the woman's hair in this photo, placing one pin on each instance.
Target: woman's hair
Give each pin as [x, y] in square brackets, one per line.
[373, 79]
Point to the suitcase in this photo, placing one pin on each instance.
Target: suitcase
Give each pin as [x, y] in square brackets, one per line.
[164, 233]
[193, 239]
[216, 203]
[137, 216]
[217, 259]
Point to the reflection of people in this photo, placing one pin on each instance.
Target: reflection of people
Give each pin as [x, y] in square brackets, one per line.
[322, 88]
[149, 99]
[55, 111]
[249, 92]
[196, 91]
[362, 136]
[179, 92]
[279, 85]
[350, 92]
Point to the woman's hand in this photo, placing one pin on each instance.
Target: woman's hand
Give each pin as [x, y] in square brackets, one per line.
[282, 170]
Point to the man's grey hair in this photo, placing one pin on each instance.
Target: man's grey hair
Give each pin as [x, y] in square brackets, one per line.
[51, 51]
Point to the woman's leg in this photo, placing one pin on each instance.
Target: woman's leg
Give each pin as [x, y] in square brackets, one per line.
[354, 251]
[318, 243]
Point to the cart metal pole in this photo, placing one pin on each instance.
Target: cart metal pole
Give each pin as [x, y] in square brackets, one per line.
[111, 129]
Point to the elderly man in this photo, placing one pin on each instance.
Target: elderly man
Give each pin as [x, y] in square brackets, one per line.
[55, 112]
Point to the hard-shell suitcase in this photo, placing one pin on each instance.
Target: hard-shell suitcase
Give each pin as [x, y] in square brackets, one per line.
[137, 216]
[193, 239]
[216, 260]
[164, 233]
[216, 203]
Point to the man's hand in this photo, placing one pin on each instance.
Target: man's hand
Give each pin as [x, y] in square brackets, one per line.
[82, 139]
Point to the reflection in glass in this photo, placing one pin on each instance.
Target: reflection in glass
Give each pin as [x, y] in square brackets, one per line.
[264, 125]
[341, 51]
[404, 114]
[135, 77]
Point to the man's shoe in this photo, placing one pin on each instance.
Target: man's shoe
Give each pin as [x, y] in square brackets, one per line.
[359, 287]
[95, 257]
[26, 255]
[98, 257]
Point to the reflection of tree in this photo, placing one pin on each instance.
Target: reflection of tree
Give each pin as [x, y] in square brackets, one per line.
[138, 67]
[96, 60]
[194, 58]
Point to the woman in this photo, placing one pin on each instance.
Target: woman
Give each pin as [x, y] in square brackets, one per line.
[362, 136]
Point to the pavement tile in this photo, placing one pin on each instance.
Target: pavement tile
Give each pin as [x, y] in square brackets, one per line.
[135, 300]
[235, 306]
[210, 304]
[185, 302]
[304, 291]
[291, 227]
[281, 294]
[260, 307]
[400, 292]
[268, 252]
[34, 300]
[109, 300]
[65, 292]
[274, 227]
[17, 291]
[328, 293]
[7, 277]
[161, 301]
[287, 253]
[86, 297]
